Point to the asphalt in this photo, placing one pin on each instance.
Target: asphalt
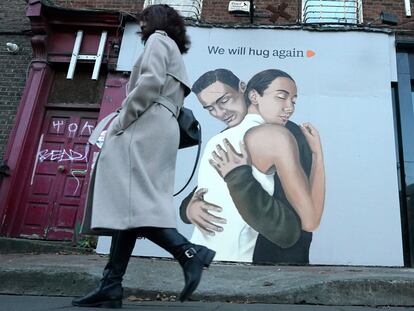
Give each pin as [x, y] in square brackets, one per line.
[58, 269]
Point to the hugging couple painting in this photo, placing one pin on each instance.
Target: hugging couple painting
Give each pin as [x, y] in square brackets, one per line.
[261, 183]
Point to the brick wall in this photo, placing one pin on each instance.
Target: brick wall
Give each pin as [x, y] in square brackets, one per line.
[215, 11]
[14, 27]
[13, 16]
[372, 9]
[116, 5]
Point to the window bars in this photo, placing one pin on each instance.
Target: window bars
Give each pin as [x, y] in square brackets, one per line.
[332, 11]
[187, 8]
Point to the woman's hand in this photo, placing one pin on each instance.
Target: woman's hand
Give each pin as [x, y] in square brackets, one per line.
[312, 136]
[226, 160]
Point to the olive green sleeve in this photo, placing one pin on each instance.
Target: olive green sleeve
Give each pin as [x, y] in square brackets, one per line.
[273, 219]
[184, 206]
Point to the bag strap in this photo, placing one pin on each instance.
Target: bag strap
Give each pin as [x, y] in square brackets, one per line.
[195, 164]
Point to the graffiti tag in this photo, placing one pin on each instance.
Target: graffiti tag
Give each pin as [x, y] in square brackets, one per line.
[62, 155]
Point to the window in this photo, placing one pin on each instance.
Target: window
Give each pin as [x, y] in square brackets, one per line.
[332, 11]
[187, 8]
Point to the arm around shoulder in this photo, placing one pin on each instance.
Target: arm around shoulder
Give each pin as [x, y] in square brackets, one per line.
[273, 146]
[271, 218]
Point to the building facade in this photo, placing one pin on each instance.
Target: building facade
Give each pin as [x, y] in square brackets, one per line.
[51, 101]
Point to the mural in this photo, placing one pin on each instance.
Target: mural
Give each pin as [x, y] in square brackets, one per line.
[251, 185]
[299, 160]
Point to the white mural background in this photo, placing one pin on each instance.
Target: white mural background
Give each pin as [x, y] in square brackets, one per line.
[344, 89]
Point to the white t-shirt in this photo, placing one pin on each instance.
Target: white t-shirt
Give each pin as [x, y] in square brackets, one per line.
[237, 240]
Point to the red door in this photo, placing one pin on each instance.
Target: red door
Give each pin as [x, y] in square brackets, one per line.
[57, 186]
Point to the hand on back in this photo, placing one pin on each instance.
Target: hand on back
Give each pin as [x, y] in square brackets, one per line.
[198, 212]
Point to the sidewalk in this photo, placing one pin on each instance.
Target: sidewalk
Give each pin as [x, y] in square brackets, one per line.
[68, 274]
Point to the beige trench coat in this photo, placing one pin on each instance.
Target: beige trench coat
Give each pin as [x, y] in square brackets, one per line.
[133, 180]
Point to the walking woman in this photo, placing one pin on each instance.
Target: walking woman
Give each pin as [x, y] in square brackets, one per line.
[131, 192]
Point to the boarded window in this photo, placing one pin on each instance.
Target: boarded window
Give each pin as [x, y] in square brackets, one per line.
[82, 90]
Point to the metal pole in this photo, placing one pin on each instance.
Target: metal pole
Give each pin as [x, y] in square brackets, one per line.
[99, 56]
[407, 7]
[251, 11]
[75, 53]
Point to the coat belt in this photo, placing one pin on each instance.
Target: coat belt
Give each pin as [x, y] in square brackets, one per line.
[167, 103]
[100, 127]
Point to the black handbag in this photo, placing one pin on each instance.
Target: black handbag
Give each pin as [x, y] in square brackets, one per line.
[190, 130]
[190, 135]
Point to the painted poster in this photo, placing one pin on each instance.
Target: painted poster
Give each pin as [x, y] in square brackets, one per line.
[298, 163]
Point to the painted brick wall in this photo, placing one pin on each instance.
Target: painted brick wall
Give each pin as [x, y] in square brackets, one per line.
[14, 27]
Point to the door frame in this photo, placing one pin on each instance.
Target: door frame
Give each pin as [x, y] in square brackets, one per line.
[404, 115]
[22, 141]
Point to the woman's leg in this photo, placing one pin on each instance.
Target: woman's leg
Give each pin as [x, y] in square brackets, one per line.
[192, 258]
[109, 292]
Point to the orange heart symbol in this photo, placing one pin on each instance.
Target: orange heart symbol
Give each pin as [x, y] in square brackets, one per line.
[310, 53]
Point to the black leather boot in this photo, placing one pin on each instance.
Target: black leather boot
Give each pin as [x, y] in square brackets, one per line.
[109, 292]
[192, 258]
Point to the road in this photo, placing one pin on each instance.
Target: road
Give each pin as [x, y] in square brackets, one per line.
[42, 303]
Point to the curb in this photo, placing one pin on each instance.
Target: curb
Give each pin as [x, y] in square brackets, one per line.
[24, 246]
[146, 278]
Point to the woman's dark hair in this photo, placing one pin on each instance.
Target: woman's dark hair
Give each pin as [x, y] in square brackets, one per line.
[222, 75]
[164, 17]
[261, 81]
